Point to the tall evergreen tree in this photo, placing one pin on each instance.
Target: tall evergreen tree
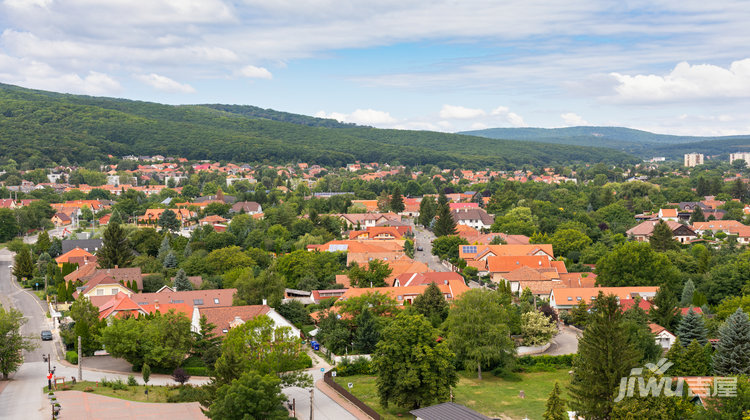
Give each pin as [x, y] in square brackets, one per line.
[732, 356]
[445, 224]
[664, 310]
[662, 238]
[432, 305]
[115, 249]
[687, 293]
[397, 200]
[696, 360]
[165, 248]
[42, 243]
[181, 281]
[555, 406]
[604, 356]
[691, 328]
[170, 261]
[23, 265]
[367, 334]
[168, 221]
[697, 215]
[426, 211]
[115, 217]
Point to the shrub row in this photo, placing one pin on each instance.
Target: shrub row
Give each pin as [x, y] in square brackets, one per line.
[71, 357]
[358, 366]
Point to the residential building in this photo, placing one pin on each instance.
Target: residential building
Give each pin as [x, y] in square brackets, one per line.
[249, 207]
[693, 159]
[90, 245]
[643, 231]
[474, 217]
[566, 298]
[664, 338]
[228, 317]
[740, 156]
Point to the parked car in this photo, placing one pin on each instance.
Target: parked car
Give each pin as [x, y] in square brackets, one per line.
[46, 335]
[315, 345]
[419, 248]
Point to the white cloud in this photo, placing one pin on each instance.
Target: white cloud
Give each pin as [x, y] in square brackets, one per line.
[686, 82]
[256, 72]
[572, 119]
[362, 117]
[460, 112]
[164, 83]
[40, 75]
[510, 117]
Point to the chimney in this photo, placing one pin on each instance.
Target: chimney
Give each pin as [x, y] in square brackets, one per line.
[156, 304]
[265, 302]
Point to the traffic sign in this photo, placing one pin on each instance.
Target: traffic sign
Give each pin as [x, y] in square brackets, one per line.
[49, 376]
[323, 370]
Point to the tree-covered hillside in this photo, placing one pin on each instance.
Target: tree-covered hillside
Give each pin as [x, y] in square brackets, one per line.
[43, 127]
[638, 142]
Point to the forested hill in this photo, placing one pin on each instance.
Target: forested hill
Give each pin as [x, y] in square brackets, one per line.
[638, 142]
[43, 127]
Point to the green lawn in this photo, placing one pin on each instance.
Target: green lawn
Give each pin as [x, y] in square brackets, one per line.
[157, 394]
[494, 397]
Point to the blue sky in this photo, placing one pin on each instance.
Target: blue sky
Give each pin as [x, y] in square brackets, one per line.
[678, 67]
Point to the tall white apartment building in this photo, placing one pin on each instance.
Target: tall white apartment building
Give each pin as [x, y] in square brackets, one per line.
[693, 159]
[740, 156]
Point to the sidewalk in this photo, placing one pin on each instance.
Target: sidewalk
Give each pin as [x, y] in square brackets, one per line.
[343, 402]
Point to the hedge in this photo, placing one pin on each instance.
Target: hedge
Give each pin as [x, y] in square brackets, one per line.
[359, 366]
[72, 357]
[559, 362]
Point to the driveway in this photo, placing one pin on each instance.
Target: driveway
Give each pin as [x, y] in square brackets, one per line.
[565, 342]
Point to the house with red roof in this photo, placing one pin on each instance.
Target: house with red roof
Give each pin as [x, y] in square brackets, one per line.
[228, 317]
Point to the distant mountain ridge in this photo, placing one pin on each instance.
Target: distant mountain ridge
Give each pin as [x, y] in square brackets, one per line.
[39, 127]
[630, 140]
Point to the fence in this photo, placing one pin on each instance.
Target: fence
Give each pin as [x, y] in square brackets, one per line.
[328, 379]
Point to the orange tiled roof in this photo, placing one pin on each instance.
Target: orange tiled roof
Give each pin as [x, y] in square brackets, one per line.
[76, 252]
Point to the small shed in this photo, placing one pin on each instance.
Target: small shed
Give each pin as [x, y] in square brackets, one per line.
[447, 411]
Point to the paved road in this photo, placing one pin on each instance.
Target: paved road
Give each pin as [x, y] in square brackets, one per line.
[324, 408]
[22, 397]
[424, 238]
[565, 342]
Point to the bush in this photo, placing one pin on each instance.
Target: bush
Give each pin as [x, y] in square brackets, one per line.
[188, 393]
[358, 366]
[116, 384]
[305, 361]
[180, 376]
[132, 381]
[71, 357]
[545, 363]
[197, 371]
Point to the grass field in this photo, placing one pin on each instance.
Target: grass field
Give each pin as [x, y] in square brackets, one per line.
[157, 394]
[492, 396]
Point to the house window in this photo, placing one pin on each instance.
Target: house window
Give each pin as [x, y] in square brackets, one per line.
[178, 301]
[197, 301]
[225, 330]
[400, 297]
[578, 298]
[216, 301]
[114, 291]
[570, 298]
[99, 292]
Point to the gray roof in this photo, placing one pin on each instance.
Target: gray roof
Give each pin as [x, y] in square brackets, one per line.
[447, 411]
[90, 245]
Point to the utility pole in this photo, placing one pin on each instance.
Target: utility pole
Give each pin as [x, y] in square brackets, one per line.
[311, 403]
[80, 360]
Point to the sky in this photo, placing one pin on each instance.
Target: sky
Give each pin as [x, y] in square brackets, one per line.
[673, 67]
